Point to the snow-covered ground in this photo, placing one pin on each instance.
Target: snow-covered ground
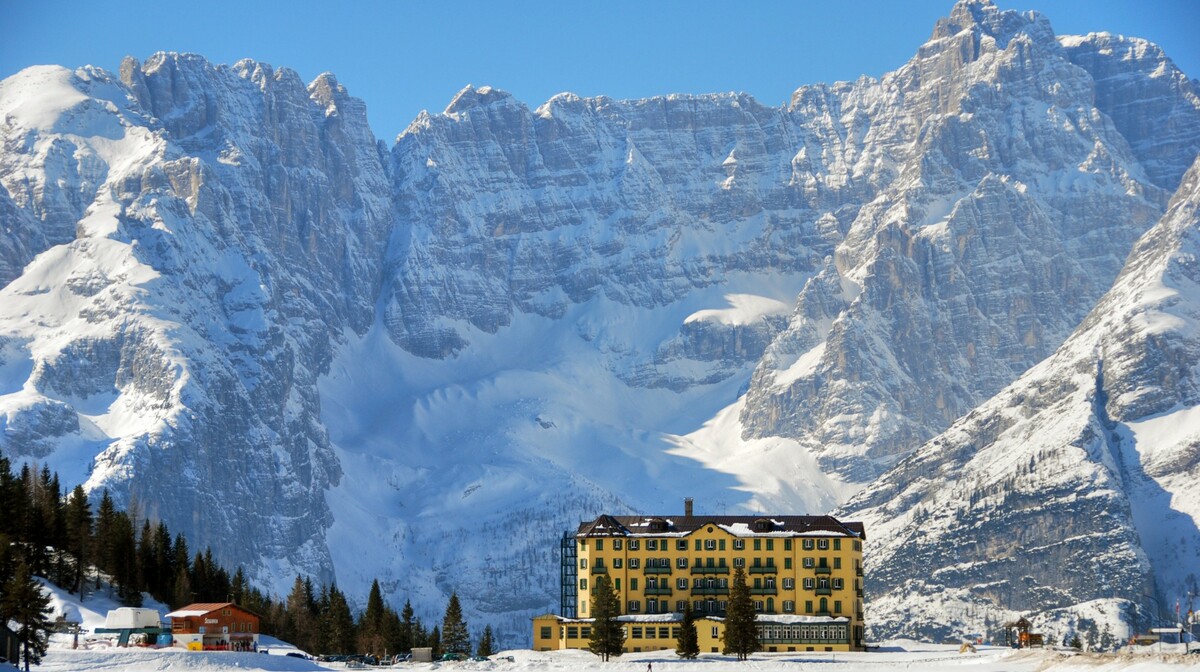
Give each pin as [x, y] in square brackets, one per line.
[905, 655]
[98, 653]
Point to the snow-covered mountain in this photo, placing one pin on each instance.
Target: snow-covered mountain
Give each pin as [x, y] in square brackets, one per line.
[1074, 492]
[226, 301]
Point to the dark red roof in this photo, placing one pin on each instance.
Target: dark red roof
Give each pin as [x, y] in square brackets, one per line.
[767, 525]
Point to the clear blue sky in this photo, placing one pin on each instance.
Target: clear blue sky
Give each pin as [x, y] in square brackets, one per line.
[402, 57]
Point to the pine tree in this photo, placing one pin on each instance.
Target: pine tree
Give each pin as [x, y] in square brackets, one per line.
[741, 635]
[338, 623]
[407, 634]
[12, 501]
[456, 638]
[182, 595]
[164, 561]
[371, 624]
[486, 645]
[688, 645]
[300, 624]
[26, 604]
[434, 641]
[608, 637]
[238, 588]
[79, 537]
[106, 516]
[124, 562]
[391, 630]
[200, 580]
[147, 569]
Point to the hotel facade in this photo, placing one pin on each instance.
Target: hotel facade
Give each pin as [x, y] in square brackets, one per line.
[804, 573]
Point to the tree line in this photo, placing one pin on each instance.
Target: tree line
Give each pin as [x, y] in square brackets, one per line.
[607, 637]
[44, 533]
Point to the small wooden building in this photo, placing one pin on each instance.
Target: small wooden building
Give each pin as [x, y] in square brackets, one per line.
[1018, 636]
[214, 626]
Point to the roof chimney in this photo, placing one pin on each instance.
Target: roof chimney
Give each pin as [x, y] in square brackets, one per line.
[687, 507]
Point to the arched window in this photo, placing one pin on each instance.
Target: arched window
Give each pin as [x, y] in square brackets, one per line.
[824, 605]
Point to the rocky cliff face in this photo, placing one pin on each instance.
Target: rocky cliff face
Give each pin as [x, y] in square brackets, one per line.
[220, 287]
[1073, 491]
[203, 235]
[976, 262]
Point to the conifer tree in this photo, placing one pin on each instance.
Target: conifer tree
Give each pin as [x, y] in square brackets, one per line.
[434, 641]
[486, 645]
[741, 635]
[455, 637]
[147, 569]
[200, 579]
[338, 623]
[300, 628]
[164, 562]
[26, 604]
[372, 623]
[79, 537]
[608, 637]
[391, 630]
[123, 561]
[12, 503]
[106, 516]
[688, 645]
[182, 594]
[407, 634]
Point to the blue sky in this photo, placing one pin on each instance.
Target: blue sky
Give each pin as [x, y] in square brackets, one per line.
[402, 57]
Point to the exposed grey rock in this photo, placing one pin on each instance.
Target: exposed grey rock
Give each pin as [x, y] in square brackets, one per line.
[1075, 484]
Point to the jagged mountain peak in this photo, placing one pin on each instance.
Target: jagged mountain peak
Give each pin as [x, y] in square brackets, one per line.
[983, 17]
[471, 97]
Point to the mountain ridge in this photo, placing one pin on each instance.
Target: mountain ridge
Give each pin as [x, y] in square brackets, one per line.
[522, 313]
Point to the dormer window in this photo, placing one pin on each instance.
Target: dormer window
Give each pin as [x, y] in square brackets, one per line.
[762, 525]
[658, 525]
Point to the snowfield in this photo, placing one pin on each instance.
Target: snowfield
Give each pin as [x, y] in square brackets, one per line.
[97, 652]
[901, 655]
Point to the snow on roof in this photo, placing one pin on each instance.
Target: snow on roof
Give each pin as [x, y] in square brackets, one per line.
[798, 618]
[738, 526]
[199, 609]
[676, 617]
[186, 613]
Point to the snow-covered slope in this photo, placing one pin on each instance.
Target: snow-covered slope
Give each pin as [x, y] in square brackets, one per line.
[1074, 489]
[207, 233]
[423, 364]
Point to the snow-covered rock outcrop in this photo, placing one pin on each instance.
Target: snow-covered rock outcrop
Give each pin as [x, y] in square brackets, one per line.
[1074, 489]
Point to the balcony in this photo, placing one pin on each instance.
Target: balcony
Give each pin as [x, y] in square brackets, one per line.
[710, 570]
[822, 570]
[826, 614]
[658, 590]
[599, 569]
[769, 569]
[658, 570]
[709, 591]
[823, 591]
[858, 615]
[764, 591]
[858, 593]
[858, 571]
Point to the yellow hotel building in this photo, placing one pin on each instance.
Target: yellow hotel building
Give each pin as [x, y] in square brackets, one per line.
[804, 574]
